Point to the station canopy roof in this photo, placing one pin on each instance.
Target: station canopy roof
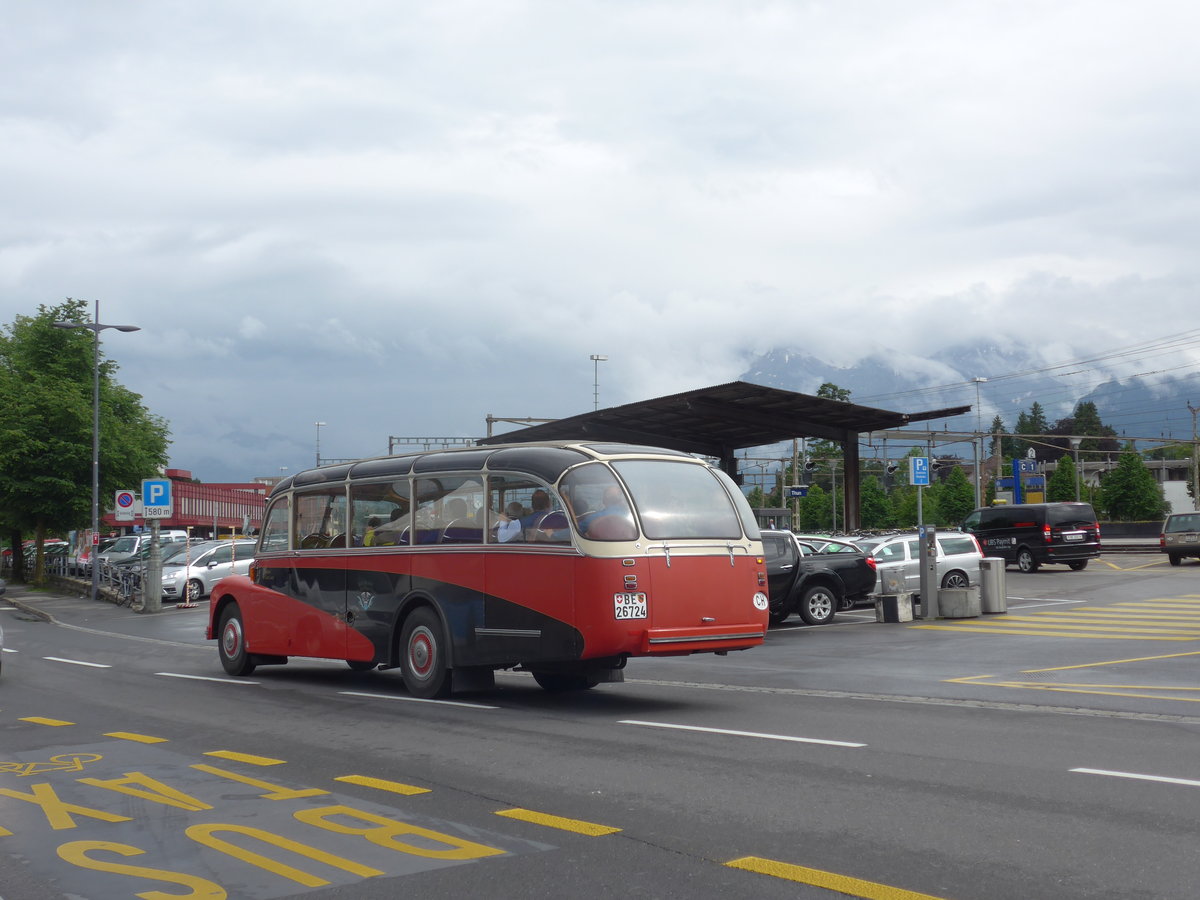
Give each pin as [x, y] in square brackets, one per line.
[716, 421]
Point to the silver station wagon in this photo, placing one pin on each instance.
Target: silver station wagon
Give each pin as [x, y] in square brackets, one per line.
[957, 560]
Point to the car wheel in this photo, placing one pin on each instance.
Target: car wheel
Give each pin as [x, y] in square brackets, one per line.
[194, 591]
[423, 663]
[956, 579]
[231, 642]
[1078, 565]
[557, 682]
[1025, 560]
[818, 605]
[1174, 559]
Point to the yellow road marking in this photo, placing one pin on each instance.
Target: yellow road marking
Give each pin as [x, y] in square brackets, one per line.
[139, 738]
[39, 720]
[380, 784]
[1063, 634]
[245, 757]
[1097, 690]
[579, 827]
[831, 881]
[1086, 624]
[1113, 662]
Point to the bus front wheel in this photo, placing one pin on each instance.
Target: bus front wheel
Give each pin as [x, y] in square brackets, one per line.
[231, 642]
[423, 664]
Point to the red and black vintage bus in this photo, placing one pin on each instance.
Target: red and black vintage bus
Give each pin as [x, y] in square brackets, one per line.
[560, 559]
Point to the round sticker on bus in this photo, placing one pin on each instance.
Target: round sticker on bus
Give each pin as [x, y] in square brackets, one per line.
[760, 601]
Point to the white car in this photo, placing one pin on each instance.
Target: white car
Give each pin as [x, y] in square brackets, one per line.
[194, 579]
[3, 588]
[957, 560]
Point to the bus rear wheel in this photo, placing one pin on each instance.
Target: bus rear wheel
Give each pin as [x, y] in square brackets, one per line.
[423, 663]
[231, 642]
[558, 682]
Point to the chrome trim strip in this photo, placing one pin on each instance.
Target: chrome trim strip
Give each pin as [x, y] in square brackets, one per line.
[507, 632]
[706, 637]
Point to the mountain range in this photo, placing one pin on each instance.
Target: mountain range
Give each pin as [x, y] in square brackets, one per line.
[1138, 396]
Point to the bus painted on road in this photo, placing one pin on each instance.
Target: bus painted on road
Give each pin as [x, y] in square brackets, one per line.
[560, 559]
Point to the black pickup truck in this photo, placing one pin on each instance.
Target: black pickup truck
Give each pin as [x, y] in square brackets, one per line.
[815, 585]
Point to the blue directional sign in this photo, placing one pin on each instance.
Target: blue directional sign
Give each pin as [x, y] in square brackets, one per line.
[918, 470]
[156, 498]
[797, 490]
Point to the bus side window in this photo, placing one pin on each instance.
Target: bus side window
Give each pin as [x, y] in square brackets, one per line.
[275, 527]
[320, 519]
[379, 513]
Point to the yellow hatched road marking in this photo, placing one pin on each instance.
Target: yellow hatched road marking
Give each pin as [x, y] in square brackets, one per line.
[1087, 624]
[139, 738]
[579, 827]
[246, 758]
[1066, 634]
[831, 881]
[1111, 662]
[40, 720]
[380, 784]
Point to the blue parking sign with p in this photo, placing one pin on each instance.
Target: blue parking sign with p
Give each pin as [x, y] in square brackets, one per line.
[156, 498]
[918, 470]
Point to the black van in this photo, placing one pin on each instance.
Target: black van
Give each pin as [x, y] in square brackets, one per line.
[1031, 534]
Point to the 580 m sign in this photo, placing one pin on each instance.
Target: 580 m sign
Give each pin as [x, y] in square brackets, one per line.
[120, 819]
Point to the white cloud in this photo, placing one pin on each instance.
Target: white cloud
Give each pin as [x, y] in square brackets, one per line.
[401, 221]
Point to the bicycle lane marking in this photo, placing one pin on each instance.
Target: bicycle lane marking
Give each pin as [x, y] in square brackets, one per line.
[107, 818]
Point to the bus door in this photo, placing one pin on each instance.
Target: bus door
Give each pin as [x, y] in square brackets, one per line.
[317, 579]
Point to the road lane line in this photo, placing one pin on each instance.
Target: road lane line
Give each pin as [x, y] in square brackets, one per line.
[207, 678]
[245, 757]
[753, 734]
[416, 700]
[39, 720]
[831, 881]
[137, 738]
[380, 784]
[591, 829]
[1187, 782]
[77, 662]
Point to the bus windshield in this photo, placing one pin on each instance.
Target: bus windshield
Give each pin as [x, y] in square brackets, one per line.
[678, 500]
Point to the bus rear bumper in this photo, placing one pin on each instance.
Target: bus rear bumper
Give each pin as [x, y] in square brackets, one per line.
[708, 639]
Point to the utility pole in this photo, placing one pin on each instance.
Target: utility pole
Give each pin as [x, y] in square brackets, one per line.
[1195, 461]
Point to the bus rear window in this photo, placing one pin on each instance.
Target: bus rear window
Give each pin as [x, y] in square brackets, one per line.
[676, 500]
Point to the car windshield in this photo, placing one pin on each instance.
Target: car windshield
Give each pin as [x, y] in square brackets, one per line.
[124, 545]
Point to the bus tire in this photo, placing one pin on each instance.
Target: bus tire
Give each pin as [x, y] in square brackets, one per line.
[558, 682]
[231, 642]
[360, 665]
[423, 656]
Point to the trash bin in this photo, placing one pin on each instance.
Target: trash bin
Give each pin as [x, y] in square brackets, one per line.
[993, 594]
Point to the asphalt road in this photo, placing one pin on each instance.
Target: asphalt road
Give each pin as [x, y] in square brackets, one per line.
[1048, 752]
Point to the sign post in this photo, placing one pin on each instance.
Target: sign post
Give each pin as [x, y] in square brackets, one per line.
[918, 475]
[156, 505]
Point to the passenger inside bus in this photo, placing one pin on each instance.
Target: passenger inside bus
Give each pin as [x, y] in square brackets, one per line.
[508, 523]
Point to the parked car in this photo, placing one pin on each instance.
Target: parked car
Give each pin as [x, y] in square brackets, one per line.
[823, 543]
[83, 561]
[1180, 536]
[174, 550]
[816, 585]
[1033, 534]
[3, 588]
[192, 581]
[957, 559]
[128, 545]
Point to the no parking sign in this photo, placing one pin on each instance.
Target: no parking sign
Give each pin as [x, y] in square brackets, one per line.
[124, 506]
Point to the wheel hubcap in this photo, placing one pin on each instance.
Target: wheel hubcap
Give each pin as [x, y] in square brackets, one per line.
[231, 638]
[421, 653]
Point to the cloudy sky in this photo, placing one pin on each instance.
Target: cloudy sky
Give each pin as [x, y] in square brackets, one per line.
[399, 218]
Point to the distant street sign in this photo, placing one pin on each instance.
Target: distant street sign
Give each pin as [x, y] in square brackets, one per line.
[918, 470]
[797, 490]
[156, 498]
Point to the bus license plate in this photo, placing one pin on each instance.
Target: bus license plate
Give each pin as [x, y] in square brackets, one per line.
[630, 605]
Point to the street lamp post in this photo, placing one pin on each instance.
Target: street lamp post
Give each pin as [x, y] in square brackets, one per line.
[978, 443]
[596, 358]
[319, 425]
[95, 327]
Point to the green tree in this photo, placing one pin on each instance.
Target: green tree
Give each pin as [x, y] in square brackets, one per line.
[46, 391]
[955, 497]
[1061, 484]
[1129, 492]
[1031, 423]
[1001, 444]
[816, 513]
[874, 506]
[822, 449]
